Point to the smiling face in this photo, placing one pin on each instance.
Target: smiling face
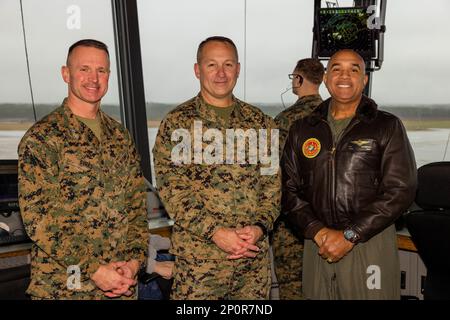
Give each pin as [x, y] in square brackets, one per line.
[345, 78]
[217, 70]
[87, 74]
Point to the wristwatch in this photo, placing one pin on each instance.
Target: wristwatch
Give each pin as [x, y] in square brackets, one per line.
[351, 235]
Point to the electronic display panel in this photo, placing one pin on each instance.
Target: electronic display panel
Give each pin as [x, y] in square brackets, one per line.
[343, 28]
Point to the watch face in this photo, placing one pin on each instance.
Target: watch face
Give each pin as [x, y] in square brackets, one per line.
[349, 234]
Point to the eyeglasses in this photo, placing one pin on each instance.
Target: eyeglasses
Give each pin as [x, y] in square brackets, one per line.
[294, 75]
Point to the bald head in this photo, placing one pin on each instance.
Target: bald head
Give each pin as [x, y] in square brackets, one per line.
[346, 78]
[347, 54]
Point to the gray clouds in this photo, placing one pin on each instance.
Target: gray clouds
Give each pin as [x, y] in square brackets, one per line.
[271, 36]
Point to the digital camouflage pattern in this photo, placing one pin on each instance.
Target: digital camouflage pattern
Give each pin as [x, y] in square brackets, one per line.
[83, 202]
[287, 246]
[200, 198]
[300, 109]
[246, 279]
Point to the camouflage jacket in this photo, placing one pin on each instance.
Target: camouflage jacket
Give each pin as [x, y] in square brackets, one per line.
[202, 197]
[300, 109]
[82, 201]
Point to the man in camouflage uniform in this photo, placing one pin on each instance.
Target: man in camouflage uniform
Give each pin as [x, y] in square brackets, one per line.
[81, 191]
[287, 245]
[223, 208]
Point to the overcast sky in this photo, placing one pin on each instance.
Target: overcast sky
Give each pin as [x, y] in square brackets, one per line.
[271, 35]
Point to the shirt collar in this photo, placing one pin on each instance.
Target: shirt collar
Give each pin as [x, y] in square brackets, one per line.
[207, 113]
[77, 127]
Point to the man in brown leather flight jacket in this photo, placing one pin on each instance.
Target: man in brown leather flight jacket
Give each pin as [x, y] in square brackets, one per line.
[348, 173]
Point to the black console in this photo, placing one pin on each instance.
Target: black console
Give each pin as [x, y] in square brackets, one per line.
[14, 242]
[11, 226]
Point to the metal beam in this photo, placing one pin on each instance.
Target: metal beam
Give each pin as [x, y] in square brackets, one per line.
[131, 83]
[368, 87]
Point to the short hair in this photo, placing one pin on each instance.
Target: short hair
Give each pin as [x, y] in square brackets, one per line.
[219, 39]
[88, 43]
[311, 69]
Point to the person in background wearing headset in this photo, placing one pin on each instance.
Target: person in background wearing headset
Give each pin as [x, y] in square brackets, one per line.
[287, 245]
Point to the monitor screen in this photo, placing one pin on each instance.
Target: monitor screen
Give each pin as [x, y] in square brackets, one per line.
[345, 28]
[11, 225]
[8, 187]
[8, 181]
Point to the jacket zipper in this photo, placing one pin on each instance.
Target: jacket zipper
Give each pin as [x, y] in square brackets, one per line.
[331, 175]
[332, 166]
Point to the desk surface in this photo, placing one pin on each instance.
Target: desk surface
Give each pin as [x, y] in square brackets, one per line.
[404, 241]
[161, 226]
[159, 223]
[15, 247]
